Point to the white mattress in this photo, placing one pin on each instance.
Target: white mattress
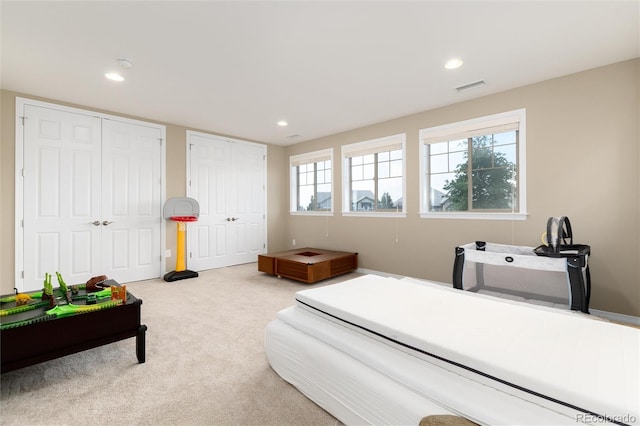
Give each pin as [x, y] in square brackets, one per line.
[491, 360]
[349, 389]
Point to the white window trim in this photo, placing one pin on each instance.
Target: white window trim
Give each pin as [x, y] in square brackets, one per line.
[308, 157]
[375, 214]
[447, 130]
[367, 146]
[312, 213]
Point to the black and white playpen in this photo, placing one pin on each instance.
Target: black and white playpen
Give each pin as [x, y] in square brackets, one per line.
[553, 274]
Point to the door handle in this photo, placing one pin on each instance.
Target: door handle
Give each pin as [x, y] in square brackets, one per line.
[234, 218]
[95, 223]
[106, 223]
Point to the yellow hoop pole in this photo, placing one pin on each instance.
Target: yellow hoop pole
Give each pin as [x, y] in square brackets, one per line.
[180, 249]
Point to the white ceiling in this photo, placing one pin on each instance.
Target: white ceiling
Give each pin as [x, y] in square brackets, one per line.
[236, 68]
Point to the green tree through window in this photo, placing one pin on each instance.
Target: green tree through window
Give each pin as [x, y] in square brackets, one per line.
[312, 204]
[492, 179]
[386, 202]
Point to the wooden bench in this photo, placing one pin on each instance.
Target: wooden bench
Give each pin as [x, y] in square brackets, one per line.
[307, 264]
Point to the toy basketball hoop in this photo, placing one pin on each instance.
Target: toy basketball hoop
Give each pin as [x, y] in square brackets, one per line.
[184, 218]
[181, 210]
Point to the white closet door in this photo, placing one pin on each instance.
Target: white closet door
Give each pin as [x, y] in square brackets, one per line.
[61, 196]
[92, 197]
[227, 180]
[131, 201]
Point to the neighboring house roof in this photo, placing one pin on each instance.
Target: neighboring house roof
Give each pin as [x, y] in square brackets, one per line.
[364, 202]
[324, 200]
[359, 195]
[366, 197]
[438, 199]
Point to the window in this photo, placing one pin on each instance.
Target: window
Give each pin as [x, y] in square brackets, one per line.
[373, 176]
[311, 182]
[475, 168]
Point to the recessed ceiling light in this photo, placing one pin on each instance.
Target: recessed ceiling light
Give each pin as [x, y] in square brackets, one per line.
[114, 76]
[453, 64]
[282, 123]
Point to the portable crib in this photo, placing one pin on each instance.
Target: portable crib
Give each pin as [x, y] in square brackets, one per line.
[553, 274]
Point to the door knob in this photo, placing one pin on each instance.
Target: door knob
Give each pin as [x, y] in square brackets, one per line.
[95, 223]
[106, 223]
[234, 218]
[228, 219]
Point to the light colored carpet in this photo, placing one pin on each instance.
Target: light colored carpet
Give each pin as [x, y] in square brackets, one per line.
[205, 363]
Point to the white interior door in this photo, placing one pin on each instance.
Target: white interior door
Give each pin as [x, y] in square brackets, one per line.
[131, 201]
[62, 211]
[227, 179]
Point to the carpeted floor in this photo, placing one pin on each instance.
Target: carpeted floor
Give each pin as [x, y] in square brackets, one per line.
[205, 363]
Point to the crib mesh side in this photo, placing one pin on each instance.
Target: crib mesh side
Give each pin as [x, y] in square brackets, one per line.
[513, 272]
[550, 288]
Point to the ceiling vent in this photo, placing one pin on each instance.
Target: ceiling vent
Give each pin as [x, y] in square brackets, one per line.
[471, 85]
[125, 63]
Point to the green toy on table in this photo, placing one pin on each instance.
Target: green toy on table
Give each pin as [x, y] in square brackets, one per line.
[60, 302]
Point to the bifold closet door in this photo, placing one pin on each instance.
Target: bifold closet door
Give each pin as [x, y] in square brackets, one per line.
[227, 179]
[92, 198]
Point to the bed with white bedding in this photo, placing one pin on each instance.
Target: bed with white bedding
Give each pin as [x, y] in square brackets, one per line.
[375, 350]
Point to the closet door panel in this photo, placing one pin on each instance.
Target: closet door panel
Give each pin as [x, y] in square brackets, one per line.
[247, 203]
[61, 195]
[131, 200]
[208, 237]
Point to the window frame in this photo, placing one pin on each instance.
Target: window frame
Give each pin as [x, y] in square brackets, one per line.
[372, 146]
[309, 158]
[464, 129]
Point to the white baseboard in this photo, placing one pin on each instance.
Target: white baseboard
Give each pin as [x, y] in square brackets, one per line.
[382, 274]
[613, 316]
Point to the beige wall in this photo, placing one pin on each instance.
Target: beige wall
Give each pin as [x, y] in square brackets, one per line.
[175, 185]
[583, 134]
[582, 162]
[7, 192]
